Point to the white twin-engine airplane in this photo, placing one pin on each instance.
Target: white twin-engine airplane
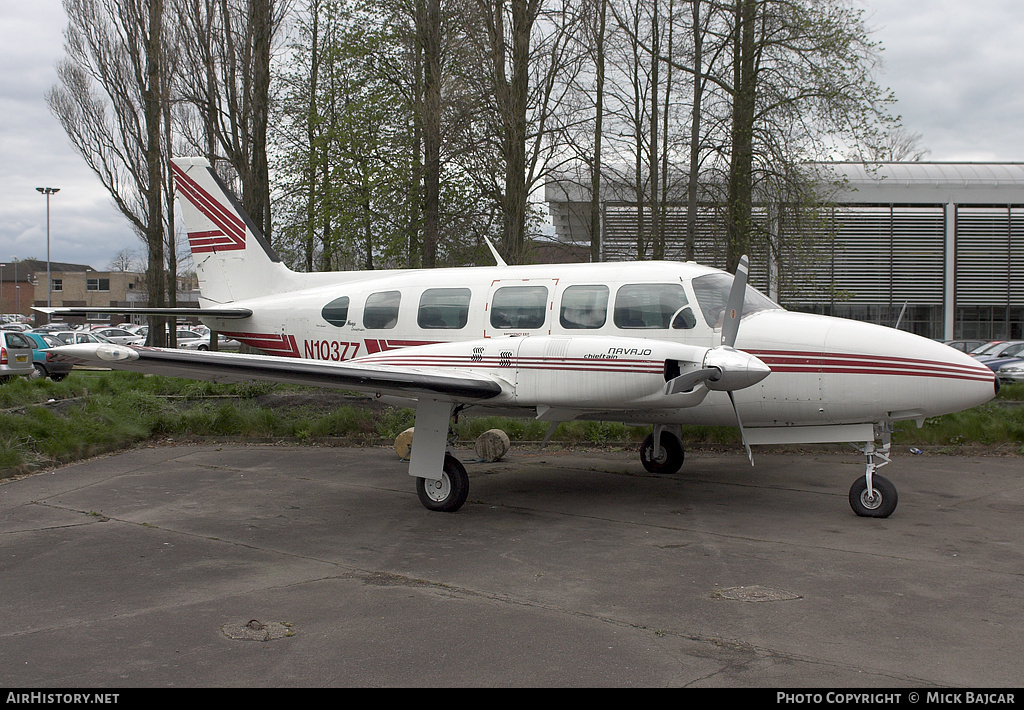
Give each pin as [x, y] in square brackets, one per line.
[655, 343]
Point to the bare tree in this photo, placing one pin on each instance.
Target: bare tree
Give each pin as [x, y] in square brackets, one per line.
[528, 62]
[899, 144]
[226, 50]
[112, 87]
[125, 260]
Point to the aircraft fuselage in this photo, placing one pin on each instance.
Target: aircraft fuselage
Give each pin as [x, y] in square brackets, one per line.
[597, 337]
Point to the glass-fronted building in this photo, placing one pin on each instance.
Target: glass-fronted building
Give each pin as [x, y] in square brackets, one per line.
[940, 243]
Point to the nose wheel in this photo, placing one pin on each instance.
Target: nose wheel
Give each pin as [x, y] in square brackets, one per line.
[878, 501]
[871, 495]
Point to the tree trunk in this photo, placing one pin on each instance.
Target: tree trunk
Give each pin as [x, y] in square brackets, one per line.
[741, 161]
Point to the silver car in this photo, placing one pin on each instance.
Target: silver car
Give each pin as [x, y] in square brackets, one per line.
[121, 336]
[1012, 372]
[15, 355]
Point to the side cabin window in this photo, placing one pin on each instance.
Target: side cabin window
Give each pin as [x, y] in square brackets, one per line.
[518, 307]
[381, 310]
[584, 307]
[336, 312]
[446, 308]
[653, 306]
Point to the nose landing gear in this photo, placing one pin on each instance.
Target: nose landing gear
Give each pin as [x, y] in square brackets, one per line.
[874, 496]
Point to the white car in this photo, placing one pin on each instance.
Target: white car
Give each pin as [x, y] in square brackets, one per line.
[121, 336]
[203, 343]
[72, 337]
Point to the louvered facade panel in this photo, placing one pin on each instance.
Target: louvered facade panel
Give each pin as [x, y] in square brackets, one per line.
[861, 247]
[619, 240]
[1017, 256]
[982, 256]
[918, 255]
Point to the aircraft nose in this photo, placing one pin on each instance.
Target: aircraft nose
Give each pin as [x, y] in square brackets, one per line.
[738, 369]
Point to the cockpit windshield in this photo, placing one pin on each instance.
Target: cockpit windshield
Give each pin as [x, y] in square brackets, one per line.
[712, 292]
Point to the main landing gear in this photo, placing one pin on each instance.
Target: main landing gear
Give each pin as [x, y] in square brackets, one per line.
[442, 483]
[447, 494]
[874, 496]
[665, 456]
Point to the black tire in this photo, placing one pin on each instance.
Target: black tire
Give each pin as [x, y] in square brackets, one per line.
[39, 373]
[671, 458]
[880, 504]
[448, 494]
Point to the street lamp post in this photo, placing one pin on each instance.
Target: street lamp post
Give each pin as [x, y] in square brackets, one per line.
[17, 295]
[49, 283]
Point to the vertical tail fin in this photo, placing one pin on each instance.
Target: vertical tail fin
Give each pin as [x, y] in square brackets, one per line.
[233, 259]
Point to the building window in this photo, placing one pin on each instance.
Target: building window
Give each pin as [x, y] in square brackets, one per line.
[97, 284]
[57, 284]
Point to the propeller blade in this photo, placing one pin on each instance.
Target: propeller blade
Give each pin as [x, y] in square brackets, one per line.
[734, 308]
[739, 423]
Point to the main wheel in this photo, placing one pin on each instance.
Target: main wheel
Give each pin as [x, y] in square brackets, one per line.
[448, 494]
[670, 458]
[38, 373]
[877, 503]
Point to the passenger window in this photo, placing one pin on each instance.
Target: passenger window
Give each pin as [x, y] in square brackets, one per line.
[584, 307]
[446, 308]
[516, 307]
[336, 312]
[381, 310]
[651, 306]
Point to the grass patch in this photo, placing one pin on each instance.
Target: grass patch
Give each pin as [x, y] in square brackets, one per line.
[45, 423]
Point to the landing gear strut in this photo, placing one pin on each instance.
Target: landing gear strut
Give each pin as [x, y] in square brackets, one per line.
[666, 457]
[429, 457]
[874, 496]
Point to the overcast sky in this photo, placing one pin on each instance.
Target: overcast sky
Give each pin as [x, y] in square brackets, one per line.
[957, 69]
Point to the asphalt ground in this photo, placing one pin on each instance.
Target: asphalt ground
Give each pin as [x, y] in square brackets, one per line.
[282, 566]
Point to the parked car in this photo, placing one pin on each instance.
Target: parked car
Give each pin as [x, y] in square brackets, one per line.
[42, 361]
[966, 346]
[1012, 372]
[183, 334]
[52, 328]
[989, 348]
[15, 355]
[1000, 353]
[120, 336]
[72, 337]
[224, 343]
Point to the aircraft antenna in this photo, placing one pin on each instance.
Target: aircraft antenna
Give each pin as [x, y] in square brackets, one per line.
[494, 252]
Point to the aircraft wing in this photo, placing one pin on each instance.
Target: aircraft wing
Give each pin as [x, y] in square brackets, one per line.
[394, 380]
